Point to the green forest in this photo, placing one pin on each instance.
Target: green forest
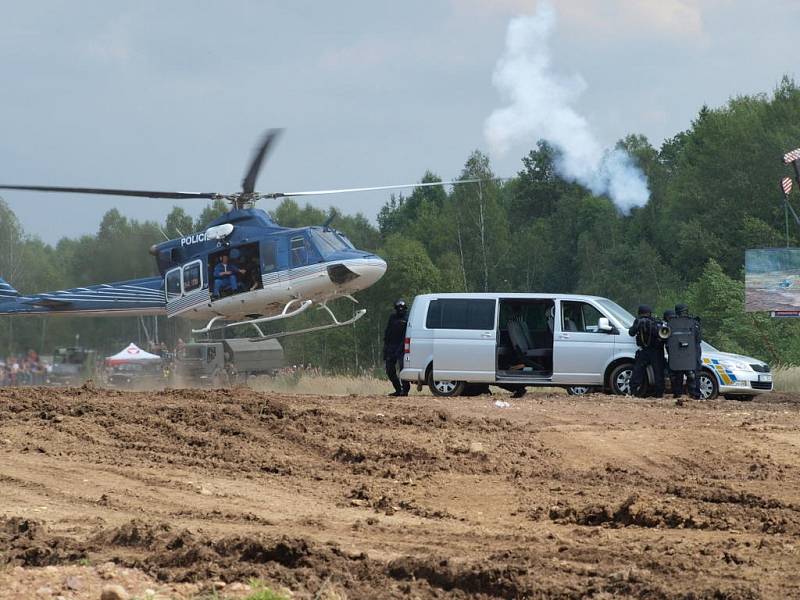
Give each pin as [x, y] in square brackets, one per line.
[714, 193]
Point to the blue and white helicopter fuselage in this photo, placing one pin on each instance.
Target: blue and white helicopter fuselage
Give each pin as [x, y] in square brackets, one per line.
[280, 272]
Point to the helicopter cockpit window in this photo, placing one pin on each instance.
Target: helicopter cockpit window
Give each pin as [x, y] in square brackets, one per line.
[191, 277]
[173, 284]
[329, 242]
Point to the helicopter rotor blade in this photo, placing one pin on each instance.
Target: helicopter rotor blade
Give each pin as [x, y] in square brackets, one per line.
[114, 192]
[375, 188]
[249, 181]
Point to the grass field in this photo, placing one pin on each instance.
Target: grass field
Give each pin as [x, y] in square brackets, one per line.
[786, 379]
[349, 385]
[333, 385]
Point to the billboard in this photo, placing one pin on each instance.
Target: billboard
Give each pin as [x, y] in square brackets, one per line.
[772, 279]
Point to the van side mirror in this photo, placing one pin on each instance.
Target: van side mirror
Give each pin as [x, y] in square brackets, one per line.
[603, 325]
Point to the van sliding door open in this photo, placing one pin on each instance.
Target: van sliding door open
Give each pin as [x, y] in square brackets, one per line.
[525, 341]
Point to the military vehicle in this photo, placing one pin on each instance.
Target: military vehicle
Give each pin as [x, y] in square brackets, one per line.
[72, 366]
[219, 363]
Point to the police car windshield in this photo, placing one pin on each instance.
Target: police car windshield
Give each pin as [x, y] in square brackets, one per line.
[624, 318]
[328, 242]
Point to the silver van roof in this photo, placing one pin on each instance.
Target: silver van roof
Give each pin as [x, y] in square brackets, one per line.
[512, 295]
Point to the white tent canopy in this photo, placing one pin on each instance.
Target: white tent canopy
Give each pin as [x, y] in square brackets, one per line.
[132, 354]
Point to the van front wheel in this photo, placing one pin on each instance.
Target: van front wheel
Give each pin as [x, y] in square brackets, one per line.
[444, 387]
[620, 379]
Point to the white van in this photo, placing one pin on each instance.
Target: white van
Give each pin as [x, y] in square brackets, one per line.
[516, 339]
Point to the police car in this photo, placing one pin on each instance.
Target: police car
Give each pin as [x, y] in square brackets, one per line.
[733, 376]
[736, 377]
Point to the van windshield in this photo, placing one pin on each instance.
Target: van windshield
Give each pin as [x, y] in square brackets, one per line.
[621, 315]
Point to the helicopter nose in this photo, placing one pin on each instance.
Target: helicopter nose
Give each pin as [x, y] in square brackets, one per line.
[370, 270]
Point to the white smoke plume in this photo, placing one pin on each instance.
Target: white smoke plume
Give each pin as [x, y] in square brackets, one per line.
[539, 107]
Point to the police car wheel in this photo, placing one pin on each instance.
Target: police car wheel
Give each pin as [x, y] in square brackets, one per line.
[445, 387]
[579, 390]
[709, 389]
[620, 379]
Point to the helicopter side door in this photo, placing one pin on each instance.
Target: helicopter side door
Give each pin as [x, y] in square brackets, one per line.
[184, 287]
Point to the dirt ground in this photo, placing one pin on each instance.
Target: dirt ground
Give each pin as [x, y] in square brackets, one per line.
[195, 494]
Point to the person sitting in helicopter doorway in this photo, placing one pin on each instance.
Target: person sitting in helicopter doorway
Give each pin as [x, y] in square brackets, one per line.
[225, 277]
[649, 354]
[692, 377]
[393, 341]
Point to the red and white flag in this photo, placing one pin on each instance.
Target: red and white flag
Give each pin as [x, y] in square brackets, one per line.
[792, 156]
[786, 184]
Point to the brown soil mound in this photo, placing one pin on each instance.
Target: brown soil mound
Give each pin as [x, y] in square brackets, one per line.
[555, 497]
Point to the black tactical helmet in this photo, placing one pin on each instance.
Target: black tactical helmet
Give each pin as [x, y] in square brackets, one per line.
[669, 314]
[681, 310]
[645, 310]
[400, 305]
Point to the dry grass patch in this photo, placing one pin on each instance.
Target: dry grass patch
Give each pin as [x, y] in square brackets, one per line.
[333, 385]
[786, 379]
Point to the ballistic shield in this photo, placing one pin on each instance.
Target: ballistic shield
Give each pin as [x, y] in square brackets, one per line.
[682, 344]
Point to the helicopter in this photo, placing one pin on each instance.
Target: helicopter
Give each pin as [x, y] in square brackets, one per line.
[279, 272]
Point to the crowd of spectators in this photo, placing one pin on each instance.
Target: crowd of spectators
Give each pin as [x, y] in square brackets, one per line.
[300, 369]
[23, 370]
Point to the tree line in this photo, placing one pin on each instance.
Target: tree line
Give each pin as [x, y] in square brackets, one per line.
[714, 193]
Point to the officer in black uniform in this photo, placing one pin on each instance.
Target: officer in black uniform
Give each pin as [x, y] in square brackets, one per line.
[393, 340]
[650, 353]
[692, 377]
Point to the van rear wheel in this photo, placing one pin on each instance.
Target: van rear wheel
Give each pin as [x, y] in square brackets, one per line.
[444, 387]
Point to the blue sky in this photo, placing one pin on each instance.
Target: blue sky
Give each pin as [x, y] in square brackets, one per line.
[173, 95]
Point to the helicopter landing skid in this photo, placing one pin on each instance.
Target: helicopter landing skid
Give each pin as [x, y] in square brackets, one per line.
[336, 323]
[286, 313]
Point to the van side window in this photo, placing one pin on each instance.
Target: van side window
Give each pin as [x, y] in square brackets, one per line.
[450, 313]
[579, 317]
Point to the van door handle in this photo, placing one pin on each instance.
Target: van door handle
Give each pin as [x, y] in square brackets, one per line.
[487, 334]
[564, 336]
